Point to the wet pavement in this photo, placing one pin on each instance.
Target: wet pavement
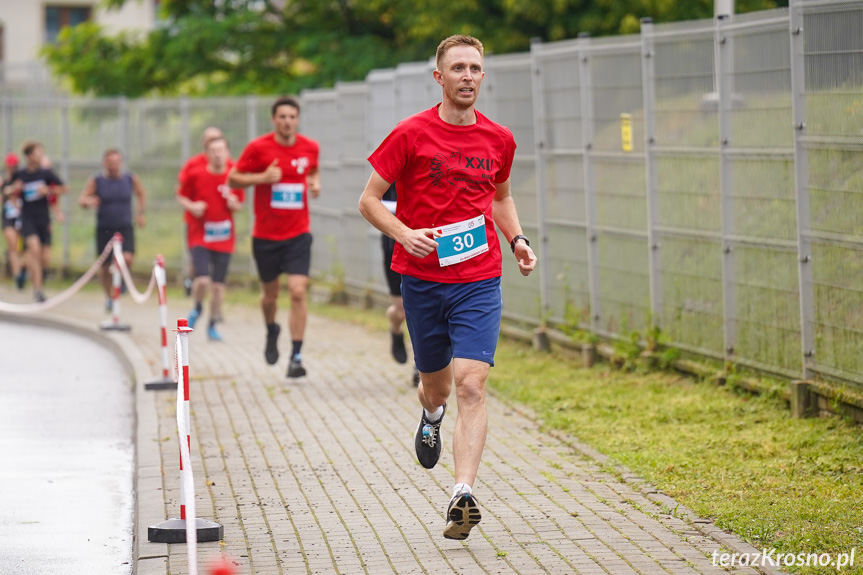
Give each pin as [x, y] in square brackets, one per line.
[66, 422]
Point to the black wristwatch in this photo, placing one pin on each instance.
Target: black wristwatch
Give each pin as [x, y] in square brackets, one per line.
[515, 239]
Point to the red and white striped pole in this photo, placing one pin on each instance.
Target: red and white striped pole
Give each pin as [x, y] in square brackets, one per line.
[116, 281]
[195, 529]
[183, 331]
[166, 381]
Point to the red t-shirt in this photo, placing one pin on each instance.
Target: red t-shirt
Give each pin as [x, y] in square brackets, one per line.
[215, 229]
[281, 209]
[196, 162]
[445, 175]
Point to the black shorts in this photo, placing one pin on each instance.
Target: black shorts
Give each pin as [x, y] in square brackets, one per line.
[394, 279]
[206, 262]
[12, 223]
[292, 256]
[37, 227]
[104, 235]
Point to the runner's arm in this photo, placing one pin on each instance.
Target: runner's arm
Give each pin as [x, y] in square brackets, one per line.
[88, 198]
[313, 182]
[238, 179]
[506, 218]
[418, 243]
[142, 200]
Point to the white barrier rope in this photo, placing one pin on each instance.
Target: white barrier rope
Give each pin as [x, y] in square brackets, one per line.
[25, 308]
[136, 296]
[187, 481]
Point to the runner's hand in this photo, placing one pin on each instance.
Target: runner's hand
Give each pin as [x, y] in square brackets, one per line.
[273, 173]
[198, 208]
[420, 243]
[525, 257]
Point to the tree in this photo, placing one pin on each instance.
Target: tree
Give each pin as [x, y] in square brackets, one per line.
[281, 46]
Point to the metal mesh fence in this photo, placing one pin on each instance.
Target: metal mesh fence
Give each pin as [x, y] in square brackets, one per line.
[703, 177]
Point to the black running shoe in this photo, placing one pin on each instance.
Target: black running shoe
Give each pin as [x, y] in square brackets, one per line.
[462, 515]
[400, 354]
[271, 352]
[295, 367]
[427, 440]
[21, 279]
[416, 377]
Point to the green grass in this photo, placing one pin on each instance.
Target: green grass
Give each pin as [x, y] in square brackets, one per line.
[733, 457]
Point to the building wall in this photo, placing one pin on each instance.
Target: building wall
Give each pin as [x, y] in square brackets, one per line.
[23, 24]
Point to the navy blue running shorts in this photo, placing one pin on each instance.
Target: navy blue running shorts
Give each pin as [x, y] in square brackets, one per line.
[452, 320]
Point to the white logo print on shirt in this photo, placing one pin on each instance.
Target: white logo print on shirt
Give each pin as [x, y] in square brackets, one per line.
[300, 164]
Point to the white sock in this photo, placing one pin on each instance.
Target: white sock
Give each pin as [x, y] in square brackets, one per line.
[435, 415]
[461, 489]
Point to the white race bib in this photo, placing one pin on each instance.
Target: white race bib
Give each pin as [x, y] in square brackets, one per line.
[217, 231]
[31, 190]
[461, 241]
[287, 196]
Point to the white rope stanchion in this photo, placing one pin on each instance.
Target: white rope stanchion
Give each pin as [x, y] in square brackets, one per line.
[166, 381]
[136, 296]
[29, 308]
[188, 528]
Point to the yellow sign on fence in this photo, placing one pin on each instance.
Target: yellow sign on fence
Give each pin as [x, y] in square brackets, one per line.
[626, 132]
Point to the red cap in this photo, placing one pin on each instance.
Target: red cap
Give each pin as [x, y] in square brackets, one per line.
[11, 160]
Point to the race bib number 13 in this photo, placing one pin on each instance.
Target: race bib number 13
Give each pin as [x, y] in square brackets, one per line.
[287, 196]
[462, 241]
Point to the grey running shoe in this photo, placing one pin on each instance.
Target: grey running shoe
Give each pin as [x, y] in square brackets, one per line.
[271, 352]
[427, 440]
[295, 367]
[462, 515]
[39, 296]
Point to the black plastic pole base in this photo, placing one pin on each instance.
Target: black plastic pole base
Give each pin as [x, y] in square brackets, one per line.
[174, 531]
[109, 325]
[160, 383]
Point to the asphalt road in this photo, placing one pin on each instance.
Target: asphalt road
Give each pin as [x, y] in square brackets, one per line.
[66, 455]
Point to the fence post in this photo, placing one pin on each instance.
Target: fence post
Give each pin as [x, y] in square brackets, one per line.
[648, 94]
[165, 381]
[251, 134]
[585, 83]
[540, 140]
[801, 184]
[724, 66]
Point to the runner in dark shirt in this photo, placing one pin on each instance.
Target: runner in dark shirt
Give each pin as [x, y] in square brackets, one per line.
[33, 184]
[111, 193]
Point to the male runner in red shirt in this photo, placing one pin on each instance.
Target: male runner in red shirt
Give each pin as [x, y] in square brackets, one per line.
[283, 167]
[451, 166]
[211, 204]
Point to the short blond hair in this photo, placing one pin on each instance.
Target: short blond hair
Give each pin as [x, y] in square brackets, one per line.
[456, 40]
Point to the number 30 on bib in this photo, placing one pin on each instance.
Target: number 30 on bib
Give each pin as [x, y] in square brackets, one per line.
[462, 241]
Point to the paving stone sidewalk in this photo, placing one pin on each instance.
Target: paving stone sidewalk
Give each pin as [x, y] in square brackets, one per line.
[318, 474]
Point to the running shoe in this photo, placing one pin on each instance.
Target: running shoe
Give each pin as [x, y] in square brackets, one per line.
[416, 377]
[462, 515]
[21, 279]
[193, 318]
[109, 305]
[271, 352]
[400, 354]
[295, 367]
[427, 440]
[39, 296]
[213, 334]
